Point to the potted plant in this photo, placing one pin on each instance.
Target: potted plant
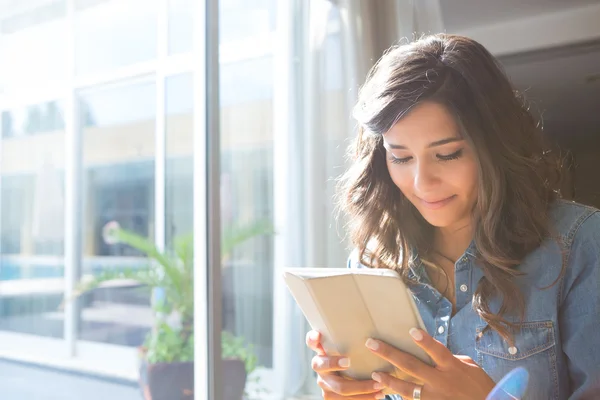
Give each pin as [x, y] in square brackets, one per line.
[166, 357]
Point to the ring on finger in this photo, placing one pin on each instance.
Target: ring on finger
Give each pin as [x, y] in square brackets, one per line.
[417, 392]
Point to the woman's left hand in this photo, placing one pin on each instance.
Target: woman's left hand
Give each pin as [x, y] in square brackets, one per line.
[453, 377]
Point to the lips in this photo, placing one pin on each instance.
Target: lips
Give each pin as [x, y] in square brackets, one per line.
[436, 204]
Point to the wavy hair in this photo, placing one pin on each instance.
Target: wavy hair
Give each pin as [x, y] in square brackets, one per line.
[517, 176]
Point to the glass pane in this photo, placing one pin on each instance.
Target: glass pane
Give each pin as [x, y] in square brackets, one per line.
[177, 348]
[33, 119]
[118, 125]
[181, 25]
[33, 46]
[179, 175]
[31, 221]
[241, 19]
[246, 110]
[114, 33]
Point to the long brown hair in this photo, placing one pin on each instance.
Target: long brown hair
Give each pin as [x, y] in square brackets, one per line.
[516, 174]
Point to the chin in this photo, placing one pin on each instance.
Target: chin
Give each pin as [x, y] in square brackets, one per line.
[439, 222]
[440, 219]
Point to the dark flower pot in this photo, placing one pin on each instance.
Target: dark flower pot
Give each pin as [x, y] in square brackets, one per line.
[234, 379]
[167, 381]
[175, 381]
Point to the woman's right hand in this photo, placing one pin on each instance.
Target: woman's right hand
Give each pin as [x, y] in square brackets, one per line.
[333, 385]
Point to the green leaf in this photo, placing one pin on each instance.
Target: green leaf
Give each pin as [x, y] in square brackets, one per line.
[235, 347]
[149, 248]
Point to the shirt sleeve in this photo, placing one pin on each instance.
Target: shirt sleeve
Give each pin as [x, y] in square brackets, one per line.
[579, 314]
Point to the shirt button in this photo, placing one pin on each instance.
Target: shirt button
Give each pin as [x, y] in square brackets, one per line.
[512, 350]
[463, 288]
[464, 259]
[441, 330]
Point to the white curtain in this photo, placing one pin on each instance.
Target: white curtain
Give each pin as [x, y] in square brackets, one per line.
[340, 42]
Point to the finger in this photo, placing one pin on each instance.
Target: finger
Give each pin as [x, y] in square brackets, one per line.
[401, 360]
[329, 364]
[467, 360]
[313, 341]
[403, 388]
[347, 387]
[334, 396]
[440, 355]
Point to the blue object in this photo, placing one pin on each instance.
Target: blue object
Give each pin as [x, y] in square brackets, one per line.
[512, 386]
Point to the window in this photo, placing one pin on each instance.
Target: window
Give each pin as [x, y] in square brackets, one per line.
[42, 30]
[118, 187]
[32, 211]
[179, 158]
[181, 23]
[114, 33]
[33, 119]
[246, 134]
[100, 121]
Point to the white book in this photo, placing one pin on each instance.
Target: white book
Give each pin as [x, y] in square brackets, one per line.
[348, 306]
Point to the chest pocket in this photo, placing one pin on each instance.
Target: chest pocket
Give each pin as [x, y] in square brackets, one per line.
[532, 338]
[533, 348]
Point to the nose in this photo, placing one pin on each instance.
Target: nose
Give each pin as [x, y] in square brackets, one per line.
[425, 177]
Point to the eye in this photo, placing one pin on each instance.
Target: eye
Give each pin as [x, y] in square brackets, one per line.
[457, 154]
[396, 160]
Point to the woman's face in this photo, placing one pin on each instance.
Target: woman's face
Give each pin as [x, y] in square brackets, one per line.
[433, 166]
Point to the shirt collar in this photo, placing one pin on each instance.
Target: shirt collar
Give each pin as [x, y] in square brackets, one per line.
[417, 268]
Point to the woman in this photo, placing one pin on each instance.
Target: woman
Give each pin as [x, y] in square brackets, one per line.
[451, 186]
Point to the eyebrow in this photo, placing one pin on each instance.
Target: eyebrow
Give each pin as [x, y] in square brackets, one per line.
[391, 146]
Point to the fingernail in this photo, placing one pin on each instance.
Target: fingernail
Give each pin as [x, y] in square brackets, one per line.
[376, 377]
[380, 396]
[416, 334]
[372, 344]
[314, 336]
[344, 362]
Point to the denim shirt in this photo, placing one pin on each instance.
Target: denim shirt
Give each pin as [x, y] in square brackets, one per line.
[559, 339]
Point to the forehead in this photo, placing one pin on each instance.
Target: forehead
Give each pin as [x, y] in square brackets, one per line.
[426, 122]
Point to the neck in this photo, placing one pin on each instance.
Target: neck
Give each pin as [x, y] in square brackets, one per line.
[453, 241]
